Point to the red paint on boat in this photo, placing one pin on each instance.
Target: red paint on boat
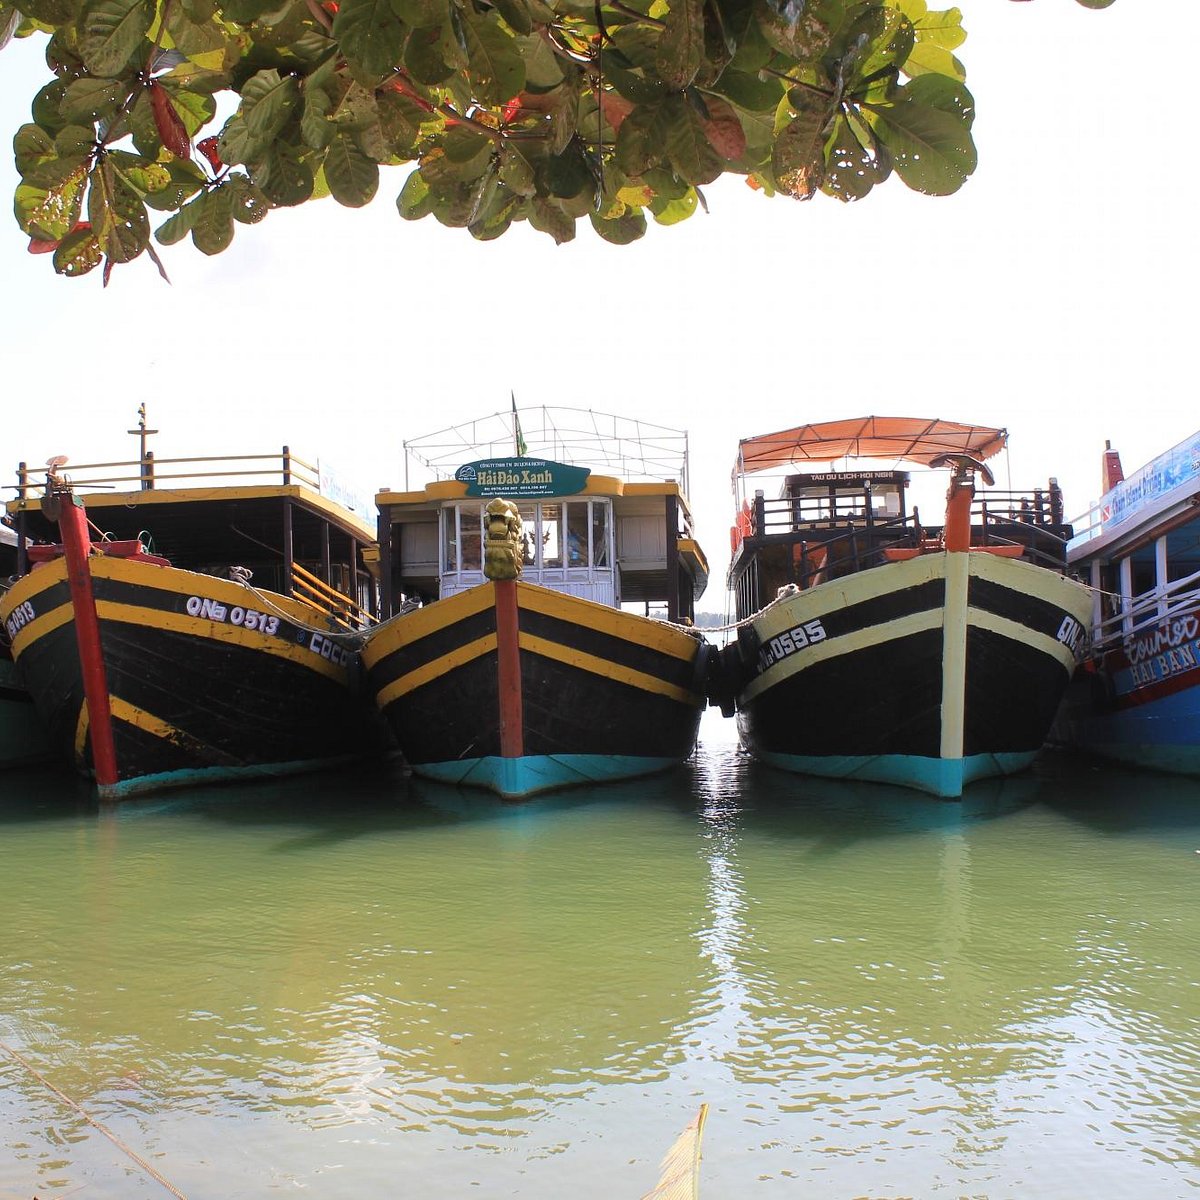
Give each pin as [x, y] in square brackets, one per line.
[77, 545]
[508, 661]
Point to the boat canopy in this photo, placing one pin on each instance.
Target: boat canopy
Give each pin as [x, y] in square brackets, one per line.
[915, 439]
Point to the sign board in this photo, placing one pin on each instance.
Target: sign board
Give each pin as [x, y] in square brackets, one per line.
[520, 477]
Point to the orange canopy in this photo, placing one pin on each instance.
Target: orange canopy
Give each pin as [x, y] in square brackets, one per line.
[913, 438]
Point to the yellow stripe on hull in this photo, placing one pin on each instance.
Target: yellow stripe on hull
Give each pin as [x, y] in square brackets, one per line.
[641, 631]
[607, 670]
[439, 666]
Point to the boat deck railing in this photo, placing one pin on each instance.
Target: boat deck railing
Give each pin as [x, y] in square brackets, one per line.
[830, 539]
[149, 472]
[313, 591]
[1129, 616]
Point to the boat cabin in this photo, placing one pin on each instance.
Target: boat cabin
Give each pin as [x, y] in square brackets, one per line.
[270, 519]
[1139, 548]
[823, 525]
[612, 542]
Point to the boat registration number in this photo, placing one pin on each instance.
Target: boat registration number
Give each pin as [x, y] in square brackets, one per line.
[809, 633]
[248, 618]
[19, 618]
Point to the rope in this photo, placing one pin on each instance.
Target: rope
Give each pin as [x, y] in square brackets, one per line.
[352, 640]
[108, 1133]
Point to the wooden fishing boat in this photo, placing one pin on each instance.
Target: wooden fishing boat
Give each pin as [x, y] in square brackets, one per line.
[1136, 697]
[525, 669]
[872, 646]
[23, 739]
[178, 634]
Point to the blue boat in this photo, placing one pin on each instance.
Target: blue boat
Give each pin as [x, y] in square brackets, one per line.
[1136, 697]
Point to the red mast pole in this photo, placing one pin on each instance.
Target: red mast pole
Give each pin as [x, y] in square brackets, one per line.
[77, 547]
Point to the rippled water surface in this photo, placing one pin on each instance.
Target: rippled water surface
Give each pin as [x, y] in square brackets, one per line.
[366, 987]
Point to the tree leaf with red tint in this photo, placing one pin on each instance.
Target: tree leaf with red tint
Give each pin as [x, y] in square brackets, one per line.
[167, 121]
[208, 148]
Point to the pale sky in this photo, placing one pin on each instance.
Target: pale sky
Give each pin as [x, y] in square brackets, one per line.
[1054, 296]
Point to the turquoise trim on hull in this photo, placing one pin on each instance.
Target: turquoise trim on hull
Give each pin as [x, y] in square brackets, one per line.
[516, 778]
[941, 777]
[124, 788]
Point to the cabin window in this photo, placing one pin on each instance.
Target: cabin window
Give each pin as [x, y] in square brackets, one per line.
[464, 538]
[573, 533]
[552, 535]
[576, 525]
[600, 534]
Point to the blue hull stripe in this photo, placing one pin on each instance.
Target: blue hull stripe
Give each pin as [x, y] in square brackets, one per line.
[515, 778]
[944, 777]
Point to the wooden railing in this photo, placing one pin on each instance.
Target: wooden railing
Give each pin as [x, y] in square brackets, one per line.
[327, 600]
[148, 472]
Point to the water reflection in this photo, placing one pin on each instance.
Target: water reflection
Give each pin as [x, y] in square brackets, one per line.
[362, 983]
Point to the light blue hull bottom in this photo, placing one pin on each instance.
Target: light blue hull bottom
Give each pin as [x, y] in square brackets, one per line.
[516, 778]
[944, 777]
[142, 784]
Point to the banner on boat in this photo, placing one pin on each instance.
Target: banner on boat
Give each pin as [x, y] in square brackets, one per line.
[521, 477]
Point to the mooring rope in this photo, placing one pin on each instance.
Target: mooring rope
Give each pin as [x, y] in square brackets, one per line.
[108, 1133]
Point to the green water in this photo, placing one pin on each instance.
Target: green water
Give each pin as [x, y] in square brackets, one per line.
[366, 987]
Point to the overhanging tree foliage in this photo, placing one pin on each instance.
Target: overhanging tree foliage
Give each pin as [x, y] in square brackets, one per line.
[540, 110]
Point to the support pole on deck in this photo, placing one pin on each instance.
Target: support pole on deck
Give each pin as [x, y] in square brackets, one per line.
[289, 558]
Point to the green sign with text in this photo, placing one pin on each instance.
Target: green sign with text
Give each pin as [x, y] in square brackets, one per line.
[512, 477]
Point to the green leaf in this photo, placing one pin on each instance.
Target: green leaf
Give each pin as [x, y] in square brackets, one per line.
[853, 169]
[212, 230]
[50, 12]
[89, 99]
[622, 230]
[112, 31]
[515, 171]
[680, 49]
[928, 134]
[371, 36]
[415, 200]
[284, 175]
[247, 204]
[424, 57]
[749, 91]
[516, 15]
[315, 127]
[688, 148]
[546, 216]
[798, 157]
[48, 214]
[928, 59]
[353, 178]
[497, 69]
[118, 216]
[796, 29]
[399, 122]
[874, 42]
[176, 228]
[422, 14]
[641, 143]
[77, 254]
[268, 100]
[671, 212]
